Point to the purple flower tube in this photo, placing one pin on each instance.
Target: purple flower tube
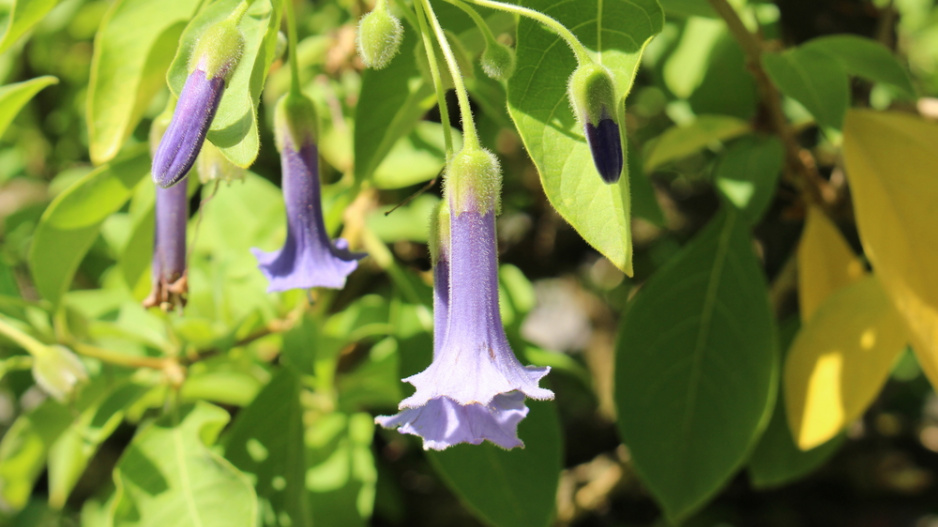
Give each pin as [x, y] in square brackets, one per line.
[170, 285]
[308, 257]
[475, 388]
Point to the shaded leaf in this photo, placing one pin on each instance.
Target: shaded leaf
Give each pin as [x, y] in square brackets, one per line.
[695, 367]
[865, 58]
[748, 172]
[815, 79]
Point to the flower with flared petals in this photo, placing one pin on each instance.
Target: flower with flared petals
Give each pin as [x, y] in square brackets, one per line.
[474, 389]
[308, 257]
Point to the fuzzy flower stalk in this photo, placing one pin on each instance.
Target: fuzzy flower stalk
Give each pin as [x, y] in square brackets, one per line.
[593, 97]
[211, 65]
[308, 258]
[475, 388]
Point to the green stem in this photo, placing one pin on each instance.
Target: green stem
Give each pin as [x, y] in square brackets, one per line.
[239, 12]
[27, 342]
[291, 42]
[120, 359]
[582, 54]
[437, 79]
[477, 18]
[470, 136]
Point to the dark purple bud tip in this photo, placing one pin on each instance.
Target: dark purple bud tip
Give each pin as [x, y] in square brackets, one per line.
[192, 118]
[606, 146]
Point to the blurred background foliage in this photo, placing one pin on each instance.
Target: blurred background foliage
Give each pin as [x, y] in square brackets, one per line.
[272, 397]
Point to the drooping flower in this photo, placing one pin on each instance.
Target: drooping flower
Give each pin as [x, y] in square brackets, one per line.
[475, 388]
[308, 257]
[215, 57]
[592, 94]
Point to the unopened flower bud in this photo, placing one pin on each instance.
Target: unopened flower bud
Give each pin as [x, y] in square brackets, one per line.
[473, 181]
[57, 371]
[379, 37]
[498, 61]
[593, 97]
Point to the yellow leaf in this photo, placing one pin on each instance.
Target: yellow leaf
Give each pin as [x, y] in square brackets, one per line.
[825, 263]
[840, 360]
[892, 167]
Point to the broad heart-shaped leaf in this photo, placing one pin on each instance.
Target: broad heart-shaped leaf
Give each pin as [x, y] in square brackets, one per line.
[891, 160]
[696, 367]
[680, 141]
[825, 263]
[616, 31]
[14, 96]
[234, 129]
[266, 442]
[815, 79]
[865, 58]
[70, 224]
[747, 174]
[840, 360]
[169, 476]
[23, 15]
[132, 51]
[776, 460]
[506, 488]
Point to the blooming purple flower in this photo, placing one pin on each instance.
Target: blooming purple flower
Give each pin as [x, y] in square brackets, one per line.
[169, 249]
[308, 257]
[475, 388]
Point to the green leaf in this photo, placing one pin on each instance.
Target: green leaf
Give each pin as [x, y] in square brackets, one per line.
[748, 172]
[688, 8]
[409, 222]
[776, 459]
[14, 96]
[416, 158]
[680, 141]
[340, 468]
[813, 78]
[23, 15]
[617, 32]
[644, 202]
[234, 129]
[509, 487]
[23, 451]
[865, 58]
[71, 223]
[169, 476]
[696, 367]
[391, 102]
[266, 441]
[132, 52]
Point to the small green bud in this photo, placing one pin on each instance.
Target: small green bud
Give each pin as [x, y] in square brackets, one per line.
[593, 97]
[473, 181]
[295, 122]
[57, 370]
[498, 61]
[379, 37]
[218, 50]
[212, 165]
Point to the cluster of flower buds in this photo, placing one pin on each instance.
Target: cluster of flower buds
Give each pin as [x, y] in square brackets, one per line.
[474, 390]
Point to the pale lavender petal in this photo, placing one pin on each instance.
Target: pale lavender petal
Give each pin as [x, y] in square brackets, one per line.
[192, 118]
[308, 257]
[442, 422]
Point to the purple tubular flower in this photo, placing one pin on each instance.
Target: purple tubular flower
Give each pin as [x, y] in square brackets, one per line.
[169, 249]
[475, 388]
[606, 146]
[183, 140]
[308, 257]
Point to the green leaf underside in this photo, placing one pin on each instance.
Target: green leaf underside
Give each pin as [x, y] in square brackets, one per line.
[814, 79]
[71, 223]
[616, 31]
[14, 96]
[24, 14]
[169, 476]
[705, 316]
[132, 52]
[748, 172]
[509, 487]
[234, 129]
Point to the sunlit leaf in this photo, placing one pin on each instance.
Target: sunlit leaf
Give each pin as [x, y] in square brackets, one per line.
[891, 160]
[617, 32]
[840, 360]
[14, 96]
[169, 476]
[681, 141]
[747, 174]
[695, 367]
[23, 15]
[865, 58]
[24, 448]
[815, 79]
[132, 51]
[825, 263]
